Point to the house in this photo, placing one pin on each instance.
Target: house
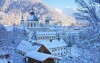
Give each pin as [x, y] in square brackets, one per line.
[32, 52]
[38, 57]
[56, 47]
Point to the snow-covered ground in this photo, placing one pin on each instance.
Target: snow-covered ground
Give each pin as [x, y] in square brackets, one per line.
[3, 61]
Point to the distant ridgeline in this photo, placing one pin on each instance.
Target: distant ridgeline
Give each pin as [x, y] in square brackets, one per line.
[11, 10]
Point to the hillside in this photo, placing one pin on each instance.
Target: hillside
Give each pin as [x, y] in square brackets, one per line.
[11, 10]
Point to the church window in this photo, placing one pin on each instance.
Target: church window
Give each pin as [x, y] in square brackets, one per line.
[34, 25]
[28, 24]
[43, 37]
[31, 24]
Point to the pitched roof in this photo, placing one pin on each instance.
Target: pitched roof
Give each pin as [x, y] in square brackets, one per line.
[26, 46]
[55, 43]
[41, 56]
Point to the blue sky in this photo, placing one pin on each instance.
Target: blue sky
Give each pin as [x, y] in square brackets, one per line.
[60, 4]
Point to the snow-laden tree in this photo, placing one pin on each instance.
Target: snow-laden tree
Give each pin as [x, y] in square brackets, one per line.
[3, 35]
[88, 10]
[10, 39]
[89, 46]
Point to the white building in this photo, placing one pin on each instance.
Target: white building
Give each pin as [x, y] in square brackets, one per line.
[26, 48]
[56, 47]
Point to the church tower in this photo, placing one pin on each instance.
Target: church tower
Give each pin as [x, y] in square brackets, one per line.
[32, 21]
[22, 23]
[47, 21]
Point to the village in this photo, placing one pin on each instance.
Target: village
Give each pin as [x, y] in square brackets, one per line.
[45, 43]
[49, 31]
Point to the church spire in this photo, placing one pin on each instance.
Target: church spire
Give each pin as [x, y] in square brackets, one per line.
[47, 19]
[22, 15]
[22, 20]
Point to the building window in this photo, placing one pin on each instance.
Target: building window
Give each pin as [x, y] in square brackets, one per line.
[58, 49]
[31, 25]
[28, 24]
[34, 25]
[55, 49]
[61, 54]
[43, 37]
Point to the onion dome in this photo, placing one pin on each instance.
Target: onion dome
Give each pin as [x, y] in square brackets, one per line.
[32, 16]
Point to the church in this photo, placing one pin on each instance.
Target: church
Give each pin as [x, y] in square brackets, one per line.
[44, 32]
[32, 22]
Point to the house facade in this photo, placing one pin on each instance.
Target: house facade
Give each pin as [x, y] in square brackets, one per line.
[31, 52]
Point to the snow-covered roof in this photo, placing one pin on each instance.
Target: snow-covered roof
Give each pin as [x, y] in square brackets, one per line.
[52, 28]
[40, 56]
[45, 33]
[77, 27]
[54, 44]
[4, 51]
[10, 28]
[73, 31]
[26, 46]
